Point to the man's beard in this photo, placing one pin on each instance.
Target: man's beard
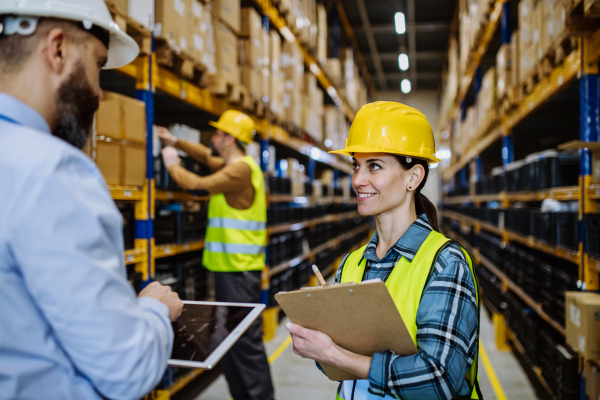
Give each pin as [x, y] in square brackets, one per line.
[76, 104]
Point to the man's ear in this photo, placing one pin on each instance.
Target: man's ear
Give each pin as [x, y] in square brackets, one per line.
[55, 50]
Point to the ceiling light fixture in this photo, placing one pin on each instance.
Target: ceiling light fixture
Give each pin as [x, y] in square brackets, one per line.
[405, 86]
[403, 62]
[400, 23]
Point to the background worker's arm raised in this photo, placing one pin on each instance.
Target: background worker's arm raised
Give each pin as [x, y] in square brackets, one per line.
[197, 151]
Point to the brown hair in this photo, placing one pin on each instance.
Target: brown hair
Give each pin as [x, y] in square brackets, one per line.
[16, 49]
[422, 203]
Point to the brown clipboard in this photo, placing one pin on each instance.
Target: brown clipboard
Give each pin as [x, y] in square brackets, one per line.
[361, 318]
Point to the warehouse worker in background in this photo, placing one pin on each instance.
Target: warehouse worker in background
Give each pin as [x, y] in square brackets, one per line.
[429, 277]
[71, 326]
[235, 238]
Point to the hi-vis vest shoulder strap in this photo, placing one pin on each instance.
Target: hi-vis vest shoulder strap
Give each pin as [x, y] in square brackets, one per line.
[236, 239]
[406, 284]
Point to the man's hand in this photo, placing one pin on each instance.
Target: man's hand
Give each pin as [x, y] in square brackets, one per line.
[166, 137]
[165, 295]
[170, 156]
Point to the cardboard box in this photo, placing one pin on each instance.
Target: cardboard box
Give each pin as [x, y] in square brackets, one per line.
[108, 159]
[275, 51]
[546, 35]
[527, 61]
[121, 5]
[171, 22]
[252, 81]
[514, 47]
[504, 64]
[321, 34]
[265, 49]
[251, 24]
[250, 54]
[142, 11]
[559, 19]
[226, 53]
[592, 381]
[536, 26]
[134, 165]
[228, 12]
[583, 323]
[108, 116]
[134, 119]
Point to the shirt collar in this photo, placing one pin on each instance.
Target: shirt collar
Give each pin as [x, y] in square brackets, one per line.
[408, 244]
[22, 113]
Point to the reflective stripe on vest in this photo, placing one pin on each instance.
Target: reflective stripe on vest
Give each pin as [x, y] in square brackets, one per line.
[236, 239]
[406, 284]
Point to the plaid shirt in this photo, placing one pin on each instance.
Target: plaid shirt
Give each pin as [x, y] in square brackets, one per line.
[446, 324]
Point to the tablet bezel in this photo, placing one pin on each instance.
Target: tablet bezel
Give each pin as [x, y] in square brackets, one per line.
[218, 353]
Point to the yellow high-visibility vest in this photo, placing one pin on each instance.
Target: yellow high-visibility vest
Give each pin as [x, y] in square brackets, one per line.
[406, 284]
[236, 239]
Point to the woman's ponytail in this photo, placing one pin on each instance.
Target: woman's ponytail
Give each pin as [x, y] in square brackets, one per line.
[422, 203]
[424, 206]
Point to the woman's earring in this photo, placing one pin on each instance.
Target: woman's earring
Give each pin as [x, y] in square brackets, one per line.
[410, 187]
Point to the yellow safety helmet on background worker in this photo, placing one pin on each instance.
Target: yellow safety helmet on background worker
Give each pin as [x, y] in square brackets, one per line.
[236, 124]
[390, 127]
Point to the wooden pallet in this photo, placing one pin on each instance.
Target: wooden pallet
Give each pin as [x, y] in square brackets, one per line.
[137, 31]
[531, 79]
[171, 56]
[562, 47]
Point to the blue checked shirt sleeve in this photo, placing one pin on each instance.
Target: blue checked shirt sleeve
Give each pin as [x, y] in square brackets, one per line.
[447, 332]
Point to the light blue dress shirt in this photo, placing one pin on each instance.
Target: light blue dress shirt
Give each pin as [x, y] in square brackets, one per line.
[71, 326]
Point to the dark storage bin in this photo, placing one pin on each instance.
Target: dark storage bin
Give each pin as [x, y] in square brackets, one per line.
[566, 227]
[528, 176]
[541, 227]
[592, 234]
[179, 226]
[558, 171]
[162, 178]
[308, 189]
[512, 180]
[518, 220]
[128, 212]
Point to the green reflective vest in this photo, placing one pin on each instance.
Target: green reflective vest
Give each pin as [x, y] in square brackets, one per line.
[406, 284]
[236, 239]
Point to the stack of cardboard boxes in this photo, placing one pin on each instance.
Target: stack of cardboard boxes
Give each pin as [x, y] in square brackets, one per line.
[312, 107]
[335, 127]
[321, 34]
[252, 51]
[276, 83]
[504, 67]
[292, 66]
[120, 140]
[227, 27]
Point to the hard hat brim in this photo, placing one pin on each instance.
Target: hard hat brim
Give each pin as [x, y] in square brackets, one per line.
[224, 129]
[371, 149]
[122, 49]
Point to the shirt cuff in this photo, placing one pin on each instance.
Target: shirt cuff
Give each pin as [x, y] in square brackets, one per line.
[378, 374]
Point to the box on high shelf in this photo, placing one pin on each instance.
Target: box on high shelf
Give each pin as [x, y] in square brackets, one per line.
[321, 34]
[504, 65]
[292, 66]
[142, 11]
[486, 102]
[252, 80]
[228, 12]
[333, 128]
[525, 28]
[172, 22]
[226, 44]
[251, 24]
[583, 323]
[121, 117]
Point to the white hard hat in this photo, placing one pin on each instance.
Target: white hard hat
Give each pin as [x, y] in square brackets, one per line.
[122, 49]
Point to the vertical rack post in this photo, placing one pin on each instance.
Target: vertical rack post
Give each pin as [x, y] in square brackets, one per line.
[505, 23]
[508, 151]
[144, 219]
[589, 109]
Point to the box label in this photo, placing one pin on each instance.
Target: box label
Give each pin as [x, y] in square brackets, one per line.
[581, 343]
[575, 315]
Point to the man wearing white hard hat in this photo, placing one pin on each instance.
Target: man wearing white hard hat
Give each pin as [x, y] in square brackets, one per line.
[71, 325]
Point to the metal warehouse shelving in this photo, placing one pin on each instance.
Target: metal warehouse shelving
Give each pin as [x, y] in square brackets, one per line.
[574, 79]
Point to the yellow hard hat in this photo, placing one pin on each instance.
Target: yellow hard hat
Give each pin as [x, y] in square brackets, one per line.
[390, 127]
[237, 124]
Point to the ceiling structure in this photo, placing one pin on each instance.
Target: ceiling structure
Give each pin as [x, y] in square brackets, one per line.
[428, 26]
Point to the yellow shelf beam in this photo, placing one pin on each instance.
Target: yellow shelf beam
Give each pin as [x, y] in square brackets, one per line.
[183, 381]
[167, 250]
[135, 256]
[561, 193]
[132, 193]
[573, 256]
[267, 8]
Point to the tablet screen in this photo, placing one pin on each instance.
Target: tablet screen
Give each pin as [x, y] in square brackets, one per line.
[201, 329]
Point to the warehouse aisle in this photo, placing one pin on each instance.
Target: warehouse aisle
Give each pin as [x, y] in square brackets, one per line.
[298, 379]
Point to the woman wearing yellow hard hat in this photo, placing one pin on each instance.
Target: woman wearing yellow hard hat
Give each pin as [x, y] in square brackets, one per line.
[430, 277]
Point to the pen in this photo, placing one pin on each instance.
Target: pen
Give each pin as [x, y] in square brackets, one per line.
[318, 275]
